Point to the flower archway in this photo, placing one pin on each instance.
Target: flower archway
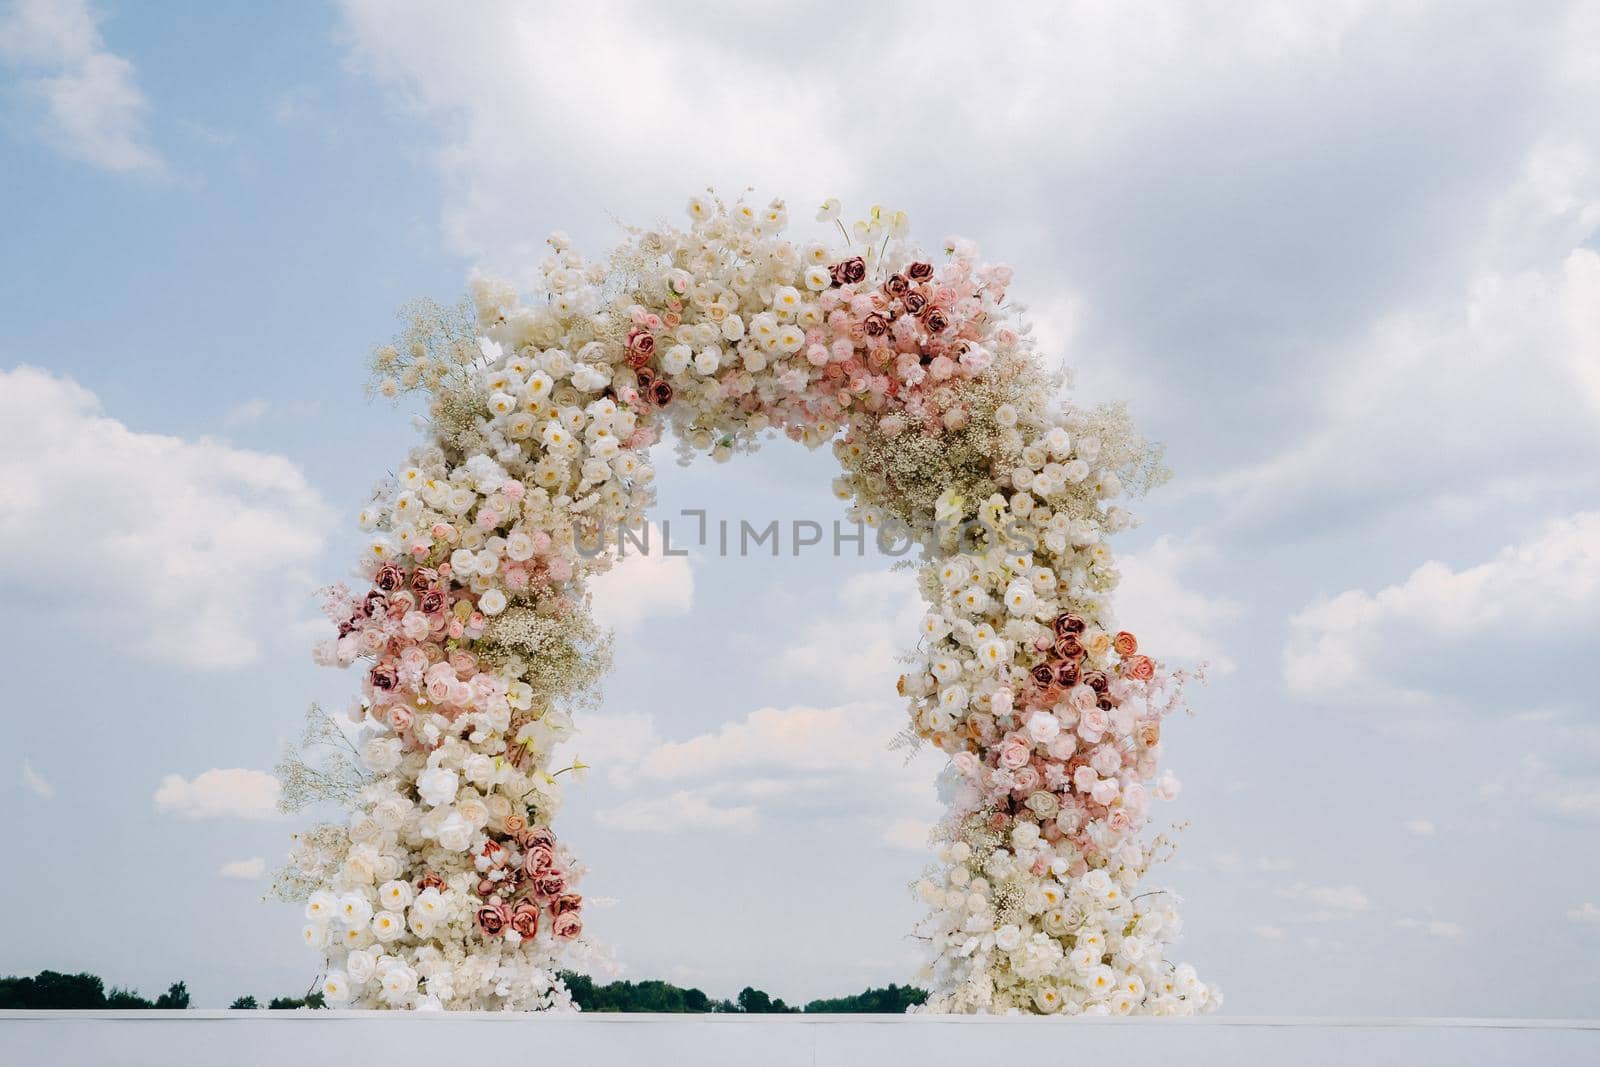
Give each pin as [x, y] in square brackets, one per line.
[448, 887]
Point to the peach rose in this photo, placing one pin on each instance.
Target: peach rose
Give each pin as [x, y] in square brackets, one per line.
[567, 927]
[1139, 668]
[1125, 643]
[525, 919]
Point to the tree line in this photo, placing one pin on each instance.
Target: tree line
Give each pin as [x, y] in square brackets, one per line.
[53, 991]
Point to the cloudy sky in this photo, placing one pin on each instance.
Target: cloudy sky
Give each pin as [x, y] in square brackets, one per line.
[1343, 258]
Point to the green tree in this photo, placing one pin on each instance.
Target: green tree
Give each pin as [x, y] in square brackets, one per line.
[245, 1003]
[53, 991]
[126, 999]
[176, 996]
[754, 1002]
[890, 1000]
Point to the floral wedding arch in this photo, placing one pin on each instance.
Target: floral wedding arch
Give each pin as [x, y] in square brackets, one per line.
[448, 888]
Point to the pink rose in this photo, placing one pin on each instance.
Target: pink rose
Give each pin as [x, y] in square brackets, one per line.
[567, 927]
[1014, 753]
[549, 884]
[492, 918]
[525, 919]
[1139, 668]
[538, 859]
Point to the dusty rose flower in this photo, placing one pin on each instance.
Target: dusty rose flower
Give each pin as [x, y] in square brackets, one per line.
[1139, 668]
[492, 918]
[935, 320]
[549, 884]
[641, 341]
[567, 927]
[1044, 674]
[374, 605]
[389, 578]
[661, 393]
[384, 676]
[1067, 674]
[430, 881]
[896, 285]
[1097, 681]
[1068, 623]
[432, 602]
[919, 271]
[538, 859]
[875, 325]
[1125, 643]
[422, 579]
[525, 919]
[1069, 647]
[915, 302]
[850, 271]
[539, 835]
[565, 903]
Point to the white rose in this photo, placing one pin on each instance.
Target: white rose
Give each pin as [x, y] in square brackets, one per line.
[354, 909]
[456, 833]
[359, 965]
[436, 786]
[315, 935]
[336, 987]
[321, 906]
[676, 359]
[386, 926]
[1008, 938]
[381, 754]
[395, 895]
[1043, 727]
[399, 982]
[492, 602]
[478, 769]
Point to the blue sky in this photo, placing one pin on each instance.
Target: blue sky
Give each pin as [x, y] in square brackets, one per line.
[1341, 258]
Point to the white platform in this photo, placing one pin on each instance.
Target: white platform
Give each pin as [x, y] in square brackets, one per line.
[354, 1039]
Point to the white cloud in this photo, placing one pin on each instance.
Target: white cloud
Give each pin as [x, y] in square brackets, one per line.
[1268, 933]
[773, 764]
[91, 94]
[1420, 827]
[246, 413]
[35, 783]
[1268, 865]
[854, 645]
[520, 90]
[254, 867]
[685, 810]
[1172, 620]
[1546, 789]
[1416, 645]
[1431, 927]
[234, 793]
[185, 551]
[1468, 401]
[1329, 902]
[1586, 913]
[643, 586]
